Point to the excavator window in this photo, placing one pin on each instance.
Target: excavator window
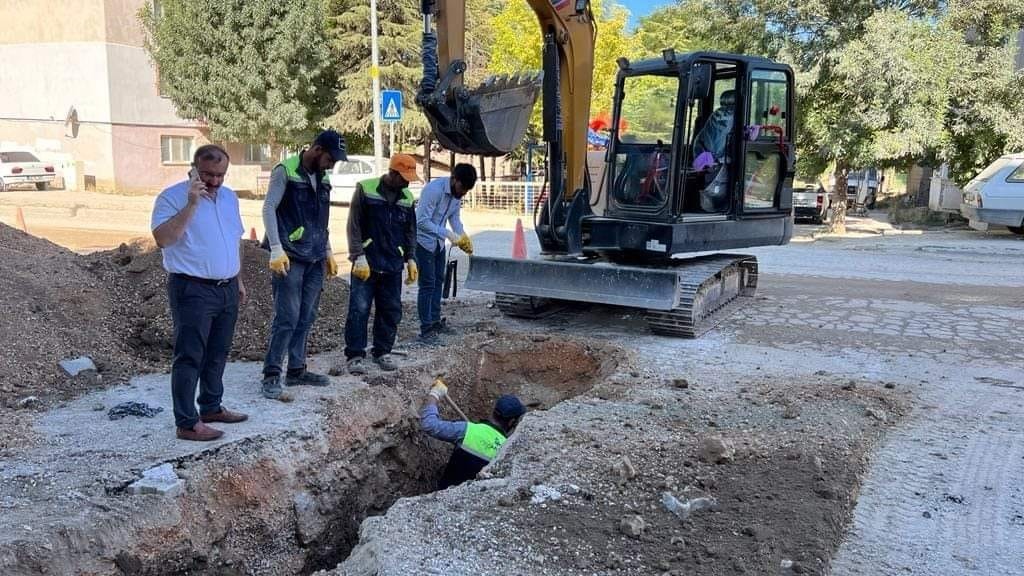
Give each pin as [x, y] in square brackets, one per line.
[644, 147]
[767, 126]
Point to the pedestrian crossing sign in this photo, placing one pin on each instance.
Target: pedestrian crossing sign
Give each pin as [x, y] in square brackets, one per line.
[391, 105]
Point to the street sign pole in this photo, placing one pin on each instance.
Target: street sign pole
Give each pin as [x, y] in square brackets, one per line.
[378, 141]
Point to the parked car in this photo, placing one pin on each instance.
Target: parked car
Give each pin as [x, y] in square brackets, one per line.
[346, 174]
[811, 201]
[19, 166]
[862, 188]
[996, 196]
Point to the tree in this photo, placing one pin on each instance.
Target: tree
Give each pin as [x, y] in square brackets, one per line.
[400, 29]
[517, 47]
[734, 26]
[253, 70]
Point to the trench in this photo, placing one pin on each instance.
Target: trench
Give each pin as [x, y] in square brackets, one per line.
[306, 518]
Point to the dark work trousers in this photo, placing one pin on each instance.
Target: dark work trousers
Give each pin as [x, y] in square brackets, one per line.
[431, 285]
[204, 317]
[384, 291]
[296, 299]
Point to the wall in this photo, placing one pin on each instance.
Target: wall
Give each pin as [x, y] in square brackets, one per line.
[44, 21]
[136, 157]
[43, 81]
[121, 20]
[134, 98]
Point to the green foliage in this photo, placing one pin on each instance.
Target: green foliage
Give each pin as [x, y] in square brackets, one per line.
[253, 70]
[400, 28]
[735, 26]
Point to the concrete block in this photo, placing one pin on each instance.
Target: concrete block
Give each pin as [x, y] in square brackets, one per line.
[75, 366]
[160, 480]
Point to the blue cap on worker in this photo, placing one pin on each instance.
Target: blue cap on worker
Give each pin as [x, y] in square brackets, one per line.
[508, 407]
[333, 143]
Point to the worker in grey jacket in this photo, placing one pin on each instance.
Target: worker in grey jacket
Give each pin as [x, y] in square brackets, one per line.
[295, 216]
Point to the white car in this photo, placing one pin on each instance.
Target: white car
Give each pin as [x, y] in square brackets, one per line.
[996, 196]
[19, 166]
[346, 174]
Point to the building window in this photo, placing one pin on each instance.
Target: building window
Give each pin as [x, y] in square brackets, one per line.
[257, 153]
[175, 149]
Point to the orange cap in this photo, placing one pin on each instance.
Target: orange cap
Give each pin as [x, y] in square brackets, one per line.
[404, 165]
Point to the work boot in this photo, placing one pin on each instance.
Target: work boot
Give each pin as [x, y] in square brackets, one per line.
[272, 387]
[385, 363]
[224, 415]
[199, 433]
[307, 378]
[430, 339]
[356, 366]
[443, 327]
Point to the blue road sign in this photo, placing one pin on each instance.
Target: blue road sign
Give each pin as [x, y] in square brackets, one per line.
[391, 105]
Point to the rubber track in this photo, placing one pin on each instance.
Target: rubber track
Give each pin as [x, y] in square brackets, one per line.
[711, 288]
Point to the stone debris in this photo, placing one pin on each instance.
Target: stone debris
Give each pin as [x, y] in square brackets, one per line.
[133, 409]
[624, 470]
[542, 494]
[160, 480]
[683, 509]
[75, 366]
[632, 525]
[716, 450]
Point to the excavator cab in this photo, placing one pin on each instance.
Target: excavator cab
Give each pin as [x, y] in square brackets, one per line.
[700, 158]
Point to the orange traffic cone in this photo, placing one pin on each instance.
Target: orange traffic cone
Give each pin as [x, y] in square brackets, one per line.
[519, 242]
[252, 233]
[21, 220]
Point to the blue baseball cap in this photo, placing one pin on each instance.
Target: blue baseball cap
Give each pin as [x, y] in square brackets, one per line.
[508, 407]
[334, 143]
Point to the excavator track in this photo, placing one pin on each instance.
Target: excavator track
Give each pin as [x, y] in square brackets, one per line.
[525, 306]
[710, 289]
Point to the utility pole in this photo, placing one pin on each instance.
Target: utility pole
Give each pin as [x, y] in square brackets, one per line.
[378, 140]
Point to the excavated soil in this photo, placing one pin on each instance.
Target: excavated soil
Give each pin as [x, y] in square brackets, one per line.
[112, 307]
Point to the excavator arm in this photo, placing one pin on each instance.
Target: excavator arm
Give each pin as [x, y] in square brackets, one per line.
[492, 119]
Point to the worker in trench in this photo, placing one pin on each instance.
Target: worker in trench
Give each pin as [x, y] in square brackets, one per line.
[295, 216]
[476, 444]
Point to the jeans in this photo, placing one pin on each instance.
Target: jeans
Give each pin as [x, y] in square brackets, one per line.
[204, 324]
[431, 285]
[385, 292]
[296, 298]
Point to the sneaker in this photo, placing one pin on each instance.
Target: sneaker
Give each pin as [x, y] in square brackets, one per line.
[307, 378]
[355, 366]
[385, 363]
[272, 387]
[430, 339]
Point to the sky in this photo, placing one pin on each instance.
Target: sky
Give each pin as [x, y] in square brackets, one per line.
[638, 8]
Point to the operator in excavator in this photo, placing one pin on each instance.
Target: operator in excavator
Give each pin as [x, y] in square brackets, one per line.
[712, 136]
[476, 443]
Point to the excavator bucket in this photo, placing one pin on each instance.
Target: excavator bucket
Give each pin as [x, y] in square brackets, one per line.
[490, 120]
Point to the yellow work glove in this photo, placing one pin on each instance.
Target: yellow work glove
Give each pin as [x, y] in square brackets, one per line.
[361, 269]
[438, 390]
[332, 266]
[279, 263]
[465, 244]
[412, 272]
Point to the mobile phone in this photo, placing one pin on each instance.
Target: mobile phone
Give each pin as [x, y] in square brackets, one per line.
[193, 174]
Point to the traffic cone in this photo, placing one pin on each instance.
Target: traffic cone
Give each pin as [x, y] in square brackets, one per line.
[519, 241]
[252, 233]
[21, 220]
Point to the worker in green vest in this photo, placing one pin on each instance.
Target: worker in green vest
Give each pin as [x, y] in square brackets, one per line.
[476, 443]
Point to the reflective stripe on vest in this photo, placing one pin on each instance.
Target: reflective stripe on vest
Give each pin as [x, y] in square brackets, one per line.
[291, 169]
[482, 441]
[370, 190]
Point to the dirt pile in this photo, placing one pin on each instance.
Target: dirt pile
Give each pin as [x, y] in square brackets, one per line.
[138, 283]
[51, 308]
[112, 307]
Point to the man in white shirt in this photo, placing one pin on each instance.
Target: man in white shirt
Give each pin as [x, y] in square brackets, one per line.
[197, 224]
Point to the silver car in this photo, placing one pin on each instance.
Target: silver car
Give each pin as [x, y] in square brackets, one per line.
[996, 196]
[22, 167]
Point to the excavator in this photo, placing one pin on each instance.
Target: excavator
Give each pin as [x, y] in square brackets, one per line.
[699, 159]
